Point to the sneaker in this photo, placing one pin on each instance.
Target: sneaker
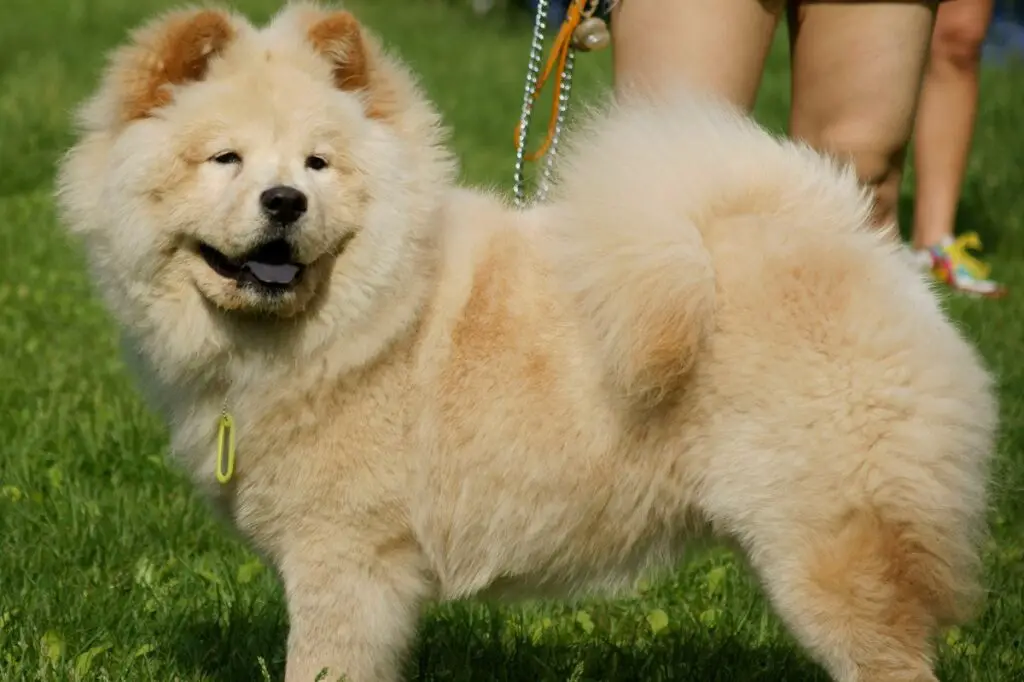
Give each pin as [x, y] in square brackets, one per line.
[953, 265]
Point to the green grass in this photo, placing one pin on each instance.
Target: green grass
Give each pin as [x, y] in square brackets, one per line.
[110, 568]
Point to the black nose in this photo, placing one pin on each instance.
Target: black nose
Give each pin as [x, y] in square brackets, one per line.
[282, 204]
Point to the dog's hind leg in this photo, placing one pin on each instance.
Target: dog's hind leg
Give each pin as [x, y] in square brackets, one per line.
[863, 588]
[862, 601]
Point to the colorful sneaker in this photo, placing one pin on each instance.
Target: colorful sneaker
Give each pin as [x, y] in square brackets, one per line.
[953, 265]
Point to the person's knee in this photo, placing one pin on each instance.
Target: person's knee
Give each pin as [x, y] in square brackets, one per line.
[874, 154]
[959, 42]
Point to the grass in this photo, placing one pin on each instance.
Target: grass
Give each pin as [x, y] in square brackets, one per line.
[110, 568]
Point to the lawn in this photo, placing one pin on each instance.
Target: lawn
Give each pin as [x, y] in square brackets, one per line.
[110, 568]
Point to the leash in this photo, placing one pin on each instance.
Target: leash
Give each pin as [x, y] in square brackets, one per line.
[581, 30]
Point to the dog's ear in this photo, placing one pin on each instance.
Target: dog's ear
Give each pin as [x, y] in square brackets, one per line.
[355, 62]
[338, 37]
[173, 50]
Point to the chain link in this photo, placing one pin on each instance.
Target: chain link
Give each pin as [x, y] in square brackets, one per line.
[564, 90]
[563, 106]
[540, 26]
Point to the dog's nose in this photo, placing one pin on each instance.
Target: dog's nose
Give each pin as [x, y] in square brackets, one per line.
[282, 204]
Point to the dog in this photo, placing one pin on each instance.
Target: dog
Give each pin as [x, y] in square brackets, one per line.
[399, 390]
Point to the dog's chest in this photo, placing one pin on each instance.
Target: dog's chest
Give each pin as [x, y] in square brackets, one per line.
[318, 452]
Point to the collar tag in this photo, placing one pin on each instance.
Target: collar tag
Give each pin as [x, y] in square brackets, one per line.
[225, 448]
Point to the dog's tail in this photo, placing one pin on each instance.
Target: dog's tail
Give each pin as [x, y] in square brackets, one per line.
[630, 257]
[647, 188]
[643, 286]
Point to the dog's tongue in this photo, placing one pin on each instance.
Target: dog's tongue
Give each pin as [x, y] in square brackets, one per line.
[272, 273]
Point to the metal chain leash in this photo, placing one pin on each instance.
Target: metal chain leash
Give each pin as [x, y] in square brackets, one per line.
[540, 27]
[563, 107]
[580, 30]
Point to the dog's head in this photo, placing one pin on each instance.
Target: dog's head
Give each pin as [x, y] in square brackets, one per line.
[225, 170]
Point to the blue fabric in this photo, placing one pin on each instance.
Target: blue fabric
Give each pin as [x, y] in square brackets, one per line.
[557, 9]
[1005, 38]
[1009, 10]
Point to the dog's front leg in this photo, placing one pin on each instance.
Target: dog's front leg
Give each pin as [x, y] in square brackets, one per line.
[352, 612]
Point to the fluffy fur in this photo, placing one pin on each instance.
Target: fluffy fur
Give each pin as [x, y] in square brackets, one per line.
[699, 332]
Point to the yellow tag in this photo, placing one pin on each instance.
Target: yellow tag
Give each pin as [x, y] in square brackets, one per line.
[225, 448]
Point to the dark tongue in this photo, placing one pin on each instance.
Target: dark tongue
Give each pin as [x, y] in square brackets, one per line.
[272, 273]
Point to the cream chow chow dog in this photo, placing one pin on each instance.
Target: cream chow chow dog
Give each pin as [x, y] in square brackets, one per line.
[433, 396]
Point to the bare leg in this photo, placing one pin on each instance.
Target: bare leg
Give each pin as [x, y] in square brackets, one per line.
[945, 118]
[714, 45]
[857, 70]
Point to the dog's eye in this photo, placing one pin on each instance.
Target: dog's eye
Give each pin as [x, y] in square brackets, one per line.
[226, 158]
[316, 162]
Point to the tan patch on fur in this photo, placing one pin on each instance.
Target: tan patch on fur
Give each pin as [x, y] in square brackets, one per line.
[666, 352]
[487, 329]
[401, 542]
[180, 53]
[484, 321]
[883, 585]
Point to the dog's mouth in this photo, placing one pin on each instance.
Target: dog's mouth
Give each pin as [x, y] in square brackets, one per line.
[270, 267]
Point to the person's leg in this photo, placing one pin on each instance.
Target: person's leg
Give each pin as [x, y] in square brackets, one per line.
[943, 131]
[857, 69]
[945, 118]
[713, 45]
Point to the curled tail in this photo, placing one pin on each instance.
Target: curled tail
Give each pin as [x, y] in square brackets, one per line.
[638, 274]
